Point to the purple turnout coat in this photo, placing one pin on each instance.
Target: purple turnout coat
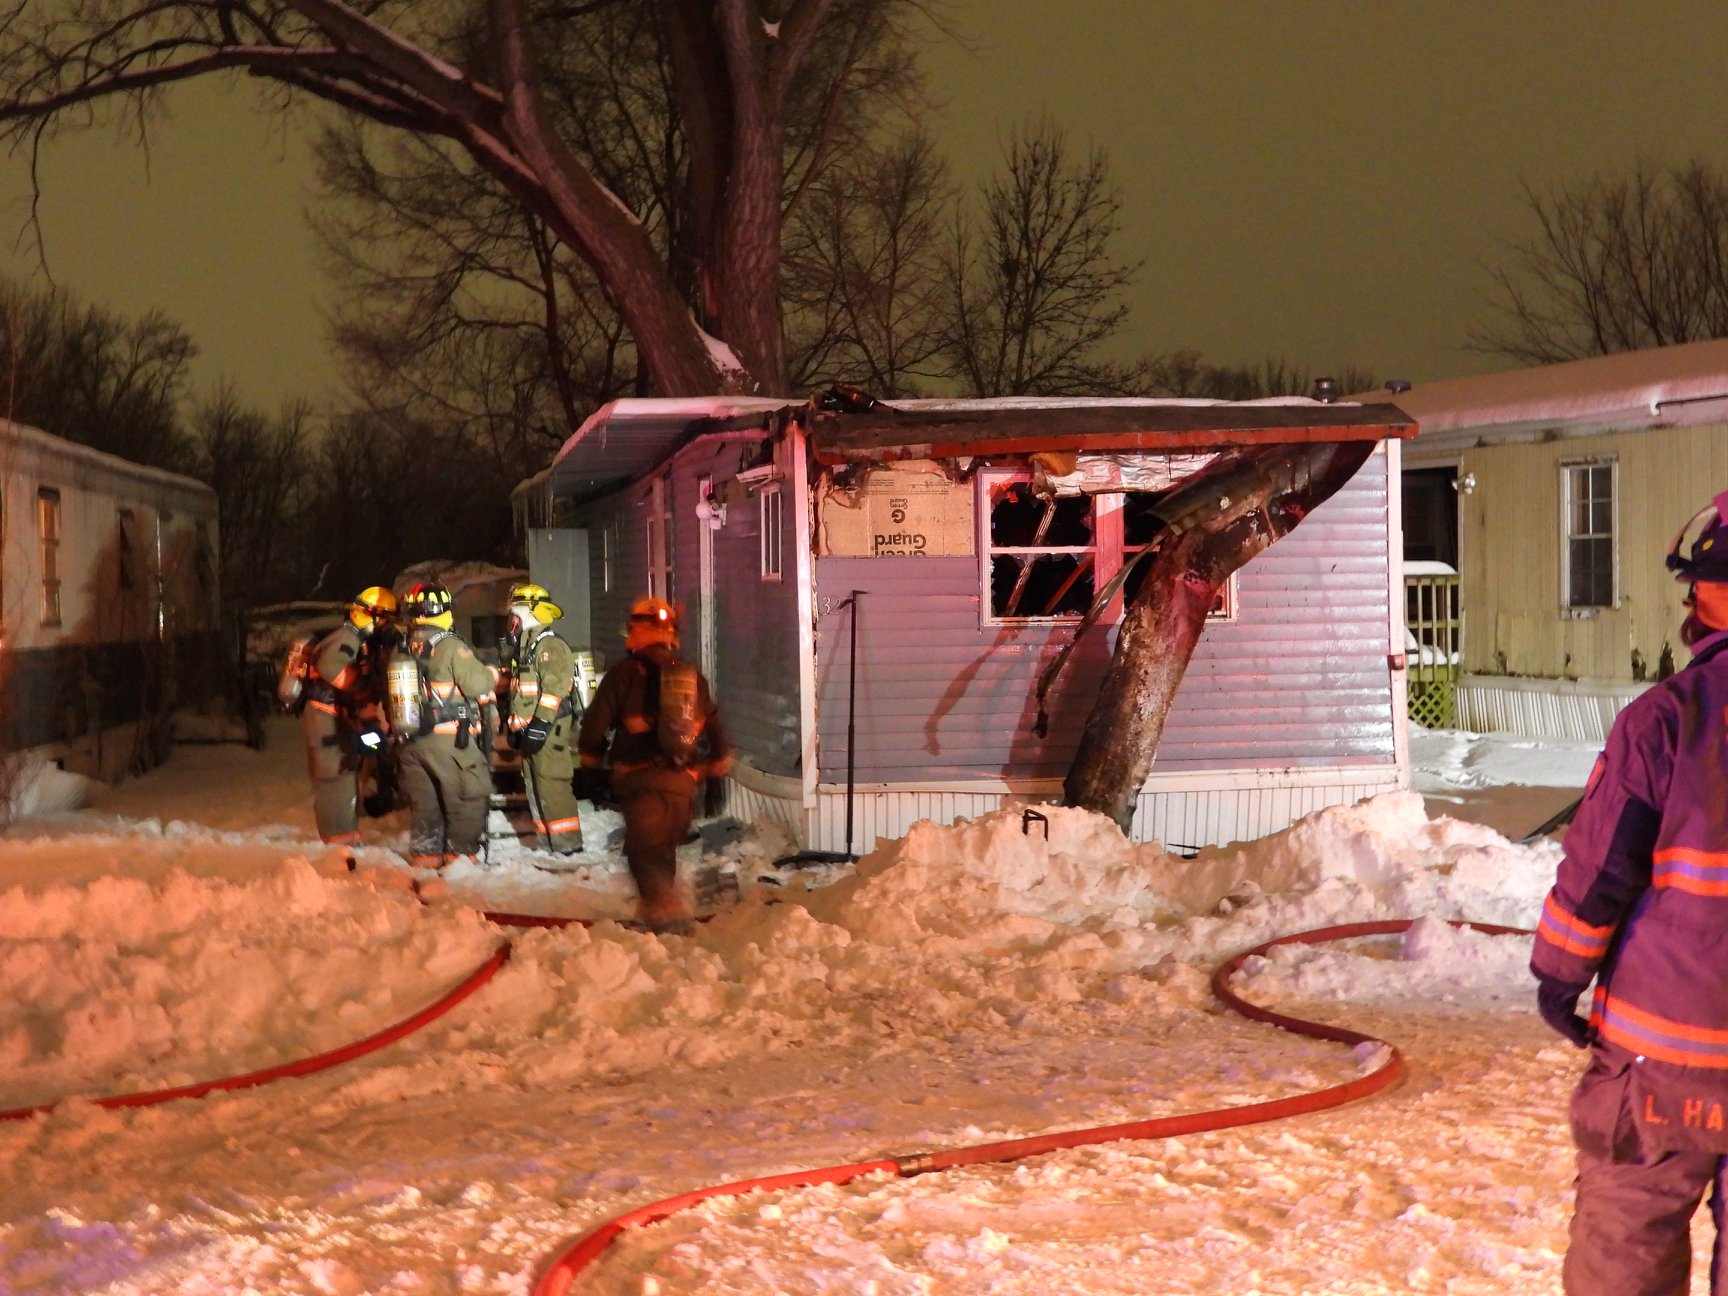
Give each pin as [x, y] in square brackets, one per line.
[1640, 903]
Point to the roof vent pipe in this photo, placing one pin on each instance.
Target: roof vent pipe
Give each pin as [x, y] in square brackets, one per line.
[1398, 386]
[1325, 390]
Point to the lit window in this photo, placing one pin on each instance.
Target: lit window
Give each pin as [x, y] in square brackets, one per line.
[769, 503]
[1587, 557]
[48, 534]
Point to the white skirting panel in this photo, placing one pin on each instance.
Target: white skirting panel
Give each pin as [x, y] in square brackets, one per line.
[1184, 821]
[756, 798]
[1577, 710]
[1183, 811]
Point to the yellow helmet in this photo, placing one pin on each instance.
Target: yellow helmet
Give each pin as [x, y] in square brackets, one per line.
[370, 606]
[538, 600]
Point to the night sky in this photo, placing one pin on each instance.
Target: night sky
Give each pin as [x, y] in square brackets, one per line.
[1323, 182]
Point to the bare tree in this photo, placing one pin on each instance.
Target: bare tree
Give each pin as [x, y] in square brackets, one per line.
[864, 268]
[1617, 263]
[734, 75]
[1188, 374]
[459, 307]
[258, 467]
[90, 376]
[1036, 293]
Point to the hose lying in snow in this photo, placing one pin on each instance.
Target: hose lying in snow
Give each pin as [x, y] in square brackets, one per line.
[302, 1066]
[575, 1256]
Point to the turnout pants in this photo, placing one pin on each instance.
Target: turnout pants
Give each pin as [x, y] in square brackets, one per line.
[334, 765]
[658, 804]
[449, 790]
[557, 817]
[1632, 1221]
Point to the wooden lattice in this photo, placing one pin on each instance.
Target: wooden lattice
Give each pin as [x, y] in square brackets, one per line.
[1433, 649]
[1434, 703]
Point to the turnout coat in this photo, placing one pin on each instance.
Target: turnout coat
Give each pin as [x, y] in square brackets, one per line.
[1640, 904]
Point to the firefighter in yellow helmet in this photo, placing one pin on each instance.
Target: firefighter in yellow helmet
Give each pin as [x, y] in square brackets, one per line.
[654, 716]
[446, 761]
[342, 719]
[546, 694]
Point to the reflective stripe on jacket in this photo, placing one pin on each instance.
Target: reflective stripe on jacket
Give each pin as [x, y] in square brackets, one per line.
[1640, 899]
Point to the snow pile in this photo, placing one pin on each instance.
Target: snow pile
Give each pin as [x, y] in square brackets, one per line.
[1003, 977]
[121, 985]
[122, 982]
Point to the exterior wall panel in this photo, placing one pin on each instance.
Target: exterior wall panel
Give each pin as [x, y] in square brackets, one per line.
[1301, 678]
[1513, 620]
[137, 636]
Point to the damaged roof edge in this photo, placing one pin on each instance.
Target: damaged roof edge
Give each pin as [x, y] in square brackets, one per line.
[940, 434]
[626, 440]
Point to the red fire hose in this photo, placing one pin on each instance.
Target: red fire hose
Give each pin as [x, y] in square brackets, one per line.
[301, 1066]
[566, 1264]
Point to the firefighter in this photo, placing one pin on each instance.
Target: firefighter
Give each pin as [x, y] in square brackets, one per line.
[1639, 905]
[544, 701]
[655, 790]
[342, 720]
[445, 765]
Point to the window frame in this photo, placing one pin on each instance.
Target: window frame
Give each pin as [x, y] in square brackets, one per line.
[126, 522]
[610, 534]
[771, 522]
[1571, 469]
[1109, 549]
[1105, 513]
[658, 528]
[50, 525]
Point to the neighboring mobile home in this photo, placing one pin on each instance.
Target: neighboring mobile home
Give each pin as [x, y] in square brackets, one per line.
[955, 546]
[108, 607]
[1555, 492]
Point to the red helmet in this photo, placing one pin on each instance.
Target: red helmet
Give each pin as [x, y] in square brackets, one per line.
[653, 611]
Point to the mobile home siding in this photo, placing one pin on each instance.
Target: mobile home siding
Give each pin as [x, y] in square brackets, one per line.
[1513, 618]
[755, 671]
[756, 638]
[138, 600]
[1300, 679]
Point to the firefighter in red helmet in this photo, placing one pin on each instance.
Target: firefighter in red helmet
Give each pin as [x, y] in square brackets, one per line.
[653, 716]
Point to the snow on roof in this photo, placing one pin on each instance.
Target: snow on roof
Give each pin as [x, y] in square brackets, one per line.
[61, 446]
[458, 576]
[1662, 387]
[958, 403]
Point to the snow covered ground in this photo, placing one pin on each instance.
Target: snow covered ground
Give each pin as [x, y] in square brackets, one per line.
[966, 984]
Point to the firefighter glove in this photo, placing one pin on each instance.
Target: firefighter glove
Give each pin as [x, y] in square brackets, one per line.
[590, 784]
[1557, 1001]
[534, 735]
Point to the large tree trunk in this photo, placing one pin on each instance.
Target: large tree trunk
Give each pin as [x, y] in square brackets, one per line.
[1221, 522]
[589, 219]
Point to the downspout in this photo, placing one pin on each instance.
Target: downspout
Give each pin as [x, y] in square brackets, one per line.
[797, 444]
[1397, 665]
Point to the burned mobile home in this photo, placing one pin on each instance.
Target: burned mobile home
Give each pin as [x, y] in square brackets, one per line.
[876, 587]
